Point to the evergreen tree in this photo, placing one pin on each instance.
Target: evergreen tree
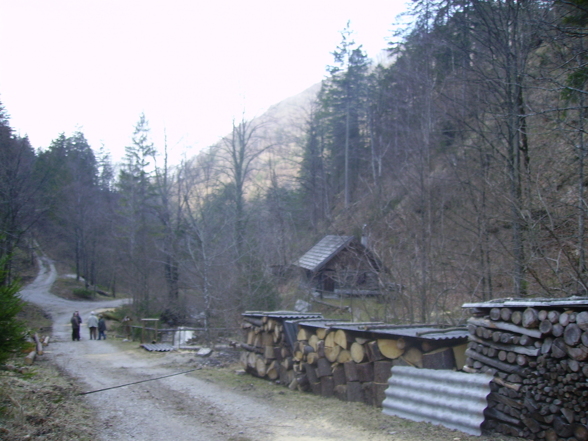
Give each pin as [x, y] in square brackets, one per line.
[69, 168]
[19, 191]
[344, 105]
[136, 214]
[312, 175]
[12, 331]
[105, 170]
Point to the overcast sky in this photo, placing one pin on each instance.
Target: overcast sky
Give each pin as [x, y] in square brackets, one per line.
[191, 66]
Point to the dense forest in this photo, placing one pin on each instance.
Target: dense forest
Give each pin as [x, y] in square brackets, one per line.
[462, 158]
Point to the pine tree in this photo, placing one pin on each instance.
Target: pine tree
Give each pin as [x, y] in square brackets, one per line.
[344, 105]
[70, 171]
[136, 214]
[19, 190]
[312, 175]
[12, 330]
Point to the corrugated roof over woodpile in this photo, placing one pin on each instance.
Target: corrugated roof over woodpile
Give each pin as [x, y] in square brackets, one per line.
[526, 303]
[323, 251]
[452, 399]
[288, 315]
[428, 332]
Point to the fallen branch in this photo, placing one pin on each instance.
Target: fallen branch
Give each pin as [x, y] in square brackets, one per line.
[39, 344]
[29, 359]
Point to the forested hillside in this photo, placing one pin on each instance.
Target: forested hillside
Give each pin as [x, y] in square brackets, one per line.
[462, 159]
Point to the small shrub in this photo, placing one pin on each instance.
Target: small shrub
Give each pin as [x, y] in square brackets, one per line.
[120, 313]
[82, 293]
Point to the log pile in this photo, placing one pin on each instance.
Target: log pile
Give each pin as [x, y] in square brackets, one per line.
[266, 352]
[351, 366]
[333, 362]
[539, 361]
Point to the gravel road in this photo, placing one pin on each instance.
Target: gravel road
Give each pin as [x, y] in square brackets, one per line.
[177, 408]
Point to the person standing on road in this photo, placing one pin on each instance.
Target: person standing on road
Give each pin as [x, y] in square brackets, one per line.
[93, 325]
[76, 320]
[101, 328]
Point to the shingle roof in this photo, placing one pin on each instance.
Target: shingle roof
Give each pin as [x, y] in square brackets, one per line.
[323, 251]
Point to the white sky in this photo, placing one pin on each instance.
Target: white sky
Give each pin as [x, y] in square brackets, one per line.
[190, 65]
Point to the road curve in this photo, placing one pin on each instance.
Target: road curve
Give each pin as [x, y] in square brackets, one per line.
[174, 408]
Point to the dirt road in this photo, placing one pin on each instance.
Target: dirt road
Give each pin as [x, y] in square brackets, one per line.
[178, 408]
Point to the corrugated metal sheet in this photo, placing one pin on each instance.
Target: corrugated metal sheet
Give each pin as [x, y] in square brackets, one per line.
[428, 332]
[453, 399]
[283, 315]
[323, 251]
[291, 333]
[524, 303]
[158, 347]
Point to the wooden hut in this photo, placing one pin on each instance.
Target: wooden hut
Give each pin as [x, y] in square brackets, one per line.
[341, 266]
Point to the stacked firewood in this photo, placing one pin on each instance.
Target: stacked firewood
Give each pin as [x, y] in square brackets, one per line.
[329, 361]
[335, 362]
[266, 352]
[356, 366]
[538, 359]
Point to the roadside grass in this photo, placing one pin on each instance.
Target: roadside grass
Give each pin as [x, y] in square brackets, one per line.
[72, 289]
[42, 403]
[35, 319]
[303, 405]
